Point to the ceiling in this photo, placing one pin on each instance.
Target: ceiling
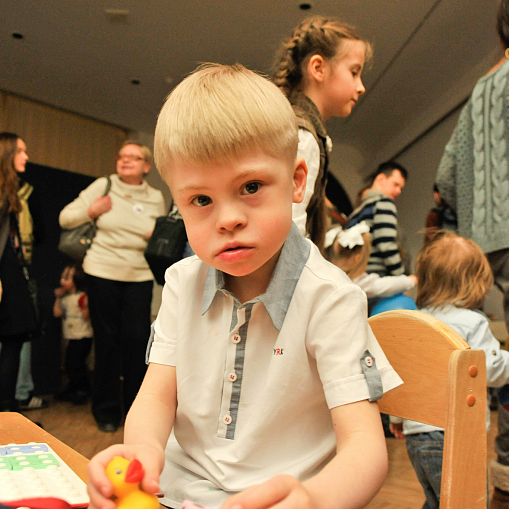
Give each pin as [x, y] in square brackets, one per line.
[72, 55]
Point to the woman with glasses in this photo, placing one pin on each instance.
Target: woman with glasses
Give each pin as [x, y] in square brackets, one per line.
[119, 280]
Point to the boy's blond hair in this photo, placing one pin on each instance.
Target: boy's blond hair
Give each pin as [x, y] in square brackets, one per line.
[221, 112]
[452, 270]
[338, 255]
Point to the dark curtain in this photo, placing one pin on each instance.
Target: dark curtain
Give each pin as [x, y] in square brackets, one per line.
[53, 189]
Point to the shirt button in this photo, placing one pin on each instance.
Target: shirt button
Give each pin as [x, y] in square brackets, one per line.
[369, 361]
[227, 419]
[236, 339]
[232, 377]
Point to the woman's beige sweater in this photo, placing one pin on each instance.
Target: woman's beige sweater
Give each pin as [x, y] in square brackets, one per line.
[117, 250]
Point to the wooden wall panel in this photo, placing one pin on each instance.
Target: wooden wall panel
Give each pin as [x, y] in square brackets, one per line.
[60, 139]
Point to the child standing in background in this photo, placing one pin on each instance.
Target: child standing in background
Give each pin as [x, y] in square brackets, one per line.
[319, 69]
[71, 305]
[350, 249]
[453, 279]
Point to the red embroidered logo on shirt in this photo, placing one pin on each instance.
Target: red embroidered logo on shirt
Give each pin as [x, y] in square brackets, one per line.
[278, 351]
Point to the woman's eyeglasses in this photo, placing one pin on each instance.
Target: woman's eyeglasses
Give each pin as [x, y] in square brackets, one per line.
[131, 157]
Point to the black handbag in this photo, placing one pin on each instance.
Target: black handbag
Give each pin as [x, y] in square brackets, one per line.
[75, 242]
[166, 245]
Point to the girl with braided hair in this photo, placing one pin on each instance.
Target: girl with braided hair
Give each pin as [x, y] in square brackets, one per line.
[319, 69]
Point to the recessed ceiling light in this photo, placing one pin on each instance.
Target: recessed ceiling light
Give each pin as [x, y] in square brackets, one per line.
[135, 81]
[168, 80]
[17, 35]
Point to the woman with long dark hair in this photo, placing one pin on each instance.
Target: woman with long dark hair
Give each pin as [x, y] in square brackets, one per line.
[17, 312]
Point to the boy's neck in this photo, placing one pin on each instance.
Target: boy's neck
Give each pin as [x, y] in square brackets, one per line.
[252, 285]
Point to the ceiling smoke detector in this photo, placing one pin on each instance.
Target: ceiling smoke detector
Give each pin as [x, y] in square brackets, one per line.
[117, 16]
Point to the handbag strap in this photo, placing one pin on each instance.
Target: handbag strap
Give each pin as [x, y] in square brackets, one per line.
[108, 185]
[106, 191]
[24, 264]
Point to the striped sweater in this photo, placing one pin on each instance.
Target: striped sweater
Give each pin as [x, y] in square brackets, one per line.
[380, 213]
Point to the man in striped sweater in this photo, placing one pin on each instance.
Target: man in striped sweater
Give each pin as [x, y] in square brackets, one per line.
[380, 213]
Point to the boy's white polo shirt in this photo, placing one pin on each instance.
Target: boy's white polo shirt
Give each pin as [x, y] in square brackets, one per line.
[255, 382]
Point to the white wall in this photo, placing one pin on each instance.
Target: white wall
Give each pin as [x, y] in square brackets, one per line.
[441, 106]
[421, 160]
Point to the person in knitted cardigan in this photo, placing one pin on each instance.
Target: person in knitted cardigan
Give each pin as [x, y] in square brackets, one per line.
[473, 179]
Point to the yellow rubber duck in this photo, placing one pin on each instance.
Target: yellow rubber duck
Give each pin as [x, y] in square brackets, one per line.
[126, 476]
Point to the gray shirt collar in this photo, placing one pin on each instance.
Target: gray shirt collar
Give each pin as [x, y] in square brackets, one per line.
[276, 299]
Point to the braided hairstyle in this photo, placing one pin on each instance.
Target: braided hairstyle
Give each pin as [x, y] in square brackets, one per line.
[9, 181]
[317, 35]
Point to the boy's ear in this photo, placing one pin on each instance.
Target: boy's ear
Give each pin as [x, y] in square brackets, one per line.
[316, 68]
[300, 175]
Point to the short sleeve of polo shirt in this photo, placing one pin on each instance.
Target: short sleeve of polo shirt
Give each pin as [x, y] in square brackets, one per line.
[338, 336]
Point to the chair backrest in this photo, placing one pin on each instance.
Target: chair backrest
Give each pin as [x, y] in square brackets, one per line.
[444, 385]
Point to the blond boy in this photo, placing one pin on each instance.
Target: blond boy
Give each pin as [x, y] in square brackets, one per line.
[264, 345]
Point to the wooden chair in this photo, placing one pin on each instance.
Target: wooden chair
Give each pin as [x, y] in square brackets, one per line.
[444, 385]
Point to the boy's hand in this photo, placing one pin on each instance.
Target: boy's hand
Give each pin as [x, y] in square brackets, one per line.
[397, 429]
[283, 490]
[99, 486]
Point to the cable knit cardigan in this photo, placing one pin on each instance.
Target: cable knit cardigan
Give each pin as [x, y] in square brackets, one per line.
[473, 173]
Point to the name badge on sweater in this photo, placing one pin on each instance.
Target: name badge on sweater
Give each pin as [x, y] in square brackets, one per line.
[138, 208]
